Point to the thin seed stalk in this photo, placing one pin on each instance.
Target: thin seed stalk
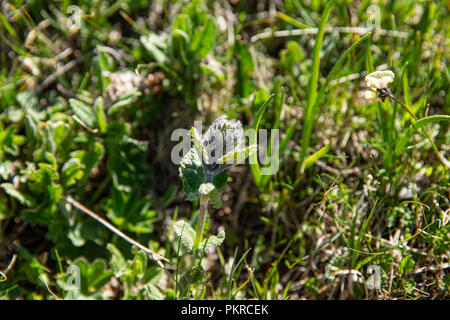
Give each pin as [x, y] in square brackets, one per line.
[201, 221]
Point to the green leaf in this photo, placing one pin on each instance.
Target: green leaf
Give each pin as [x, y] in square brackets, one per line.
[153, 292]
[214, 198]
[9, 28]
[27, 99]
[254, 165]
[309, 117]
[32, 127]
[35, 269]
[180, 41]
[43, 178]
[313, 82]
[129, 212]
[168, 197]
[98, 274]
[192, 276]
[292, 21]
[156, 46]
[124, 100]
[238, 155]
[316, 156]
[234, 270]
[84, 112]
[75, 235]
[203, 41]
[181, 22]
[245, 69]
[195, 274]
[213, 70]
[198, 144]
[138, 266]
[406, 90]
[192, 174]
[9, 142]
[278, 102]
[278, 107]
[187, 235]
[7, 170]
[314, 79]
[94, 276]
[289, 57]
[71, 171]
[118, 263]
[406, 265]
[99, 111]
[101, 64]
[22, 198]
[60, 131]
[399, 148]
[212, 241]
[220, 179]
[152, 274]
[89, 159]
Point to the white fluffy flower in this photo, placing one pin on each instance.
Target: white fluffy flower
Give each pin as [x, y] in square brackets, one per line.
[379, 79]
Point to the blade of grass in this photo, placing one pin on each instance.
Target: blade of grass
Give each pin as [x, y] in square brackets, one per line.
[253, 159]
[9, 28]
[274, 268]
[445, 163]
[303, 13]
[330, 76]
[278, 106]
[394, 110]
[234, 268]
[362, 233]
[399, 148]
[312, 87]
[316, 156]
[308, 122]
[292, 21]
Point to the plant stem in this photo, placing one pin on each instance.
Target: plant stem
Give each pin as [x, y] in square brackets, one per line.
[201, 221]
[444, 161]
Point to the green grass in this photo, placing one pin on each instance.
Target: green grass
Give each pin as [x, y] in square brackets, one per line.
[86, 117]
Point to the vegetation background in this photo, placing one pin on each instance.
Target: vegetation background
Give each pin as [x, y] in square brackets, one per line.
[90, 92]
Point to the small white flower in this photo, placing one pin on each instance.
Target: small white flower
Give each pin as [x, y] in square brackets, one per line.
[379, 79]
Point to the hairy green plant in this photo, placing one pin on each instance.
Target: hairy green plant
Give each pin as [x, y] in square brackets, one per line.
[203, 170]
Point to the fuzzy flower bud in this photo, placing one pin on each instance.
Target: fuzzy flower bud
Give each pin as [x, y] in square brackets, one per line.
[221, 146]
